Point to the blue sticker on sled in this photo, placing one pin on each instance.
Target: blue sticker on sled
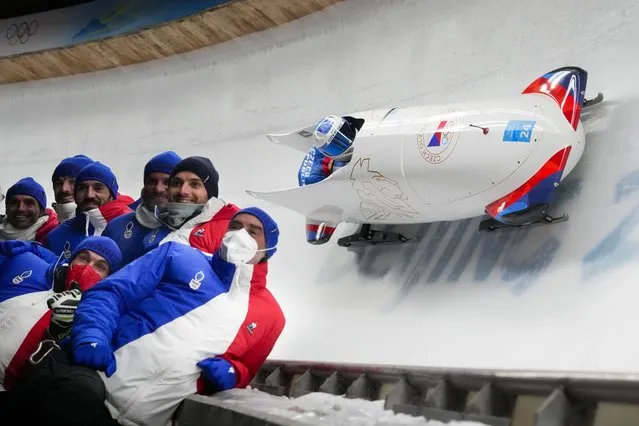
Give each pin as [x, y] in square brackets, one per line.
[519, 131]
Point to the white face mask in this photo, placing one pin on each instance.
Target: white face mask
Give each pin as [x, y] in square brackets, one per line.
[238, 247]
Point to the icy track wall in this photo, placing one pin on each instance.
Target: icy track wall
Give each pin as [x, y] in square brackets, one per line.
[561, 297]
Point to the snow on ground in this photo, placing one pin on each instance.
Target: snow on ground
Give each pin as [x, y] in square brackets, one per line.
[325, 409]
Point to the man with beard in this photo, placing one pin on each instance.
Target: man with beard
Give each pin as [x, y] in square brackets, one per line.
[98, 202]
[194, 213]
[63, 179]
[27, 217]
[140, 231]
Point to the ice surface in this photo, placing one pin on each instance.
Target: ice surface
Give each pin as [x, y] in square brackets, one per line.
[561, 297]
[320, 408]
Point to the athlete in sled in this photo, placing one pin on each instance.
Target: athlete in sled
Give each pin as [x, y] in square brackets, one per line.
[502, 158]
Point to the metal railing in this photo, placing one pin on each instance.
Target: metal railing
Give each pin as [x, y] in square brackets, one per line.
[491, 397]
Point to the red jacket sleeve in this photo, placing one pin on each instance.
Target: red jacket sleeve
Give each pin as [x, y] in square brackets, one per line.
[247, 362]
[255, 339]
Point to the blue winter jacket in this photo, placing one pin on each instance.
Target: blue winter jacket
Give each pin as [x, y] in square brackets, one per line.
[148, 293]
[133, 238]
[65, 238]
[22, 274]
[25, 286]
[161, 315]
[134, 205]
[25, 267]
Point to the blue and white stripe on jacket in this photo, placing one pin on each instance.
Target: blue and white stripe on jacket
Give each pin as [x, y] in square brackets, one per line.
[162, 314]
[25, 286]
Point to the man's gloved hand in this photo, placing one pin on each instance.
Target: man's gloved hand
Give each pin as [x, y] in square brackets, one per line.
[63, 306]
[219, 372]
[97, 355]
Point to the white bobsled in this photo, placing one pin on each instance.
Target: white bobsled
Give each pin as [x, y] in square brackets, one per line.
[502, 158]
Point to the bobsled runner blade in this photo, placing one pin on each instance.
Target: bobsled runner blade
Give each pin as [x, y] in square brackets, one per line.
[367, 236]
[491, 224]
[301, 139]
[594, 101]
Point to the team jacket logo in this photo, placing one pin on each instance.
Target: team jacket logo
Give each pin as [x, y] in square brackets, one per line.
[199, 233]
[252, 326]
[196, 281]
[67, 250]
[23, 276]
[128, 230]
[153, 235]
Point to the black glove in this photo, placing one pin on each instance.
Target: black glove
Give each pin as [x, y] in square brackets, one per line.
[59, 277]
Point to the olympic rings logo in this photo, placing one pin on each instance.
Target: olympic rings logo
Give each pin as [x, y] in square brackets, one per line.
[22, 32]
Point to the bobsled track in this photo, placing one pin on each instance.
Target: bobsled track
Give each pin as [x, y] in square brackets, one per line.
[515, 327]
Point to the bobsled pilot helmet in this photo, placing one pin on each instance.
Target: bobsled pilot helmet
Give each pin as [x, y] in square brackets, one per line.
[334, 137]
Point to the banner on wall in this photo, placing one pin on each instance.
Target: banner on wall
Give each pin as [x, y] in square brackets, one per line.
[90, 22]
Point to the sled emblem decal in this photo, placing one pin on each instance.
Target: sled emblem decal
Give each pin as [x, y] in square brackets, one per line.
[436, 141]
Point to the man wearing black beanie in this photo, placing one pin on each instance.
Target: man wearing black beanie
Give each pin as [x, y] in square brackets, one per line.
[203, 169]
[196, 215]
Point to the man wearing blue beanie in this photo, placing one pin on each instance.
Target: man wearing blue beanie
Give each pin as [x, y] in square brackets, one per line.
[63, 179]
[98, 203]
[140, 231]
[41, 319]
[175, 296]
[251, 230]
[27, 217]
[190, 212]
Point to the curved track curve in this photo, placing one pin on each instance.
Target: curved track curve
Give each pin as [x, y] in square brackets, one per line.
[560, 297]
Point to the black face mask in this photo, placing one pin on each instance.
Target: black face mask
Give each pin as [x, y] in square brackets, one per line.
[174, 215]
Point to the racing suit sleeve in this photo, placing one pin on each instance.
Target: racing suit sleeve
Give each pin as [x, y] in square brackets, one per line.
[98, 315]
[315, 168]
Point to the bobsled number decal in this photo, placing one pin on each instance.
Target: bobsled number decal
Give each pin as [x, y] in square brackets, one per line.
[518, 131]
